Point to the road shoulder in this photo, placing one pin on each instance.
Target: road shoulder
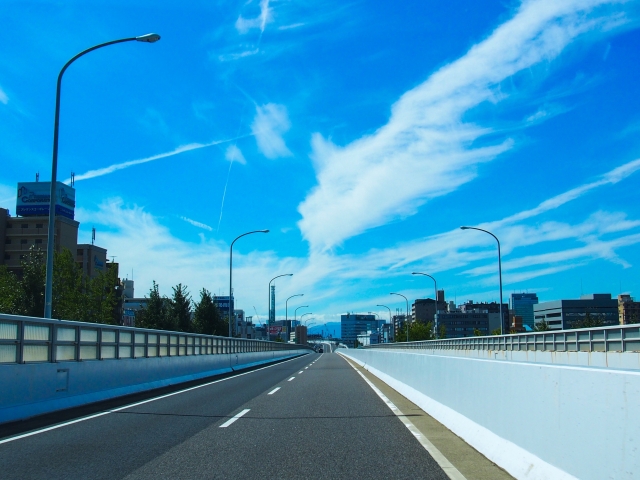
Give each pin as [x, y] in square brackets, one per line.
[466, 459]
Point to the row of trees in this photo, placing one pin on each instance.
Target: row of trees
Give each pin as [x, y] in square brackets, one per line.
[181, 313]
[75, 296]
[78, 297]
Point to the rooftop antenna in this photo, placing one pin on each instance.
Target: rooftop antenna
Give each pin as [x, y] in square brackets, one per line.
[113, 257]
[93, 235]
[37, 176]
[73, 179]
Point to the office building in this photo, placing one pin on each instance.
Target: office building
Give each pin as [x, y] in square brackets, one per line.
[354, 324]
[468, 324]
[522, 306]
[424, 309]
[628, 310]
[597, 309]
[492, 307]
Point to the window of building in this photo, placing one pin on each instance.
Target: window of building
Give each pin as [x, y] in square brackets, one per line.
[38, 225]
[550, 315]
[25, 225]
[9, 225]
[80, 252]
[7, 256]
[38, 241]
[22, 257]
[23, 241]
[7, 240]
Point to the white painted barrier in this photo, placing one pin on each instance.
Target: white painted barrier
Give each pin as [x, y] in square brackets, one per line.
[33, 389]
[536, 420]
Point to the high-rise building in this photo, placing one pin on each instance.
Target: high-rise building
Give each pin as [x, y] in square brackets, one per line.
[522, 305]
[354, 324]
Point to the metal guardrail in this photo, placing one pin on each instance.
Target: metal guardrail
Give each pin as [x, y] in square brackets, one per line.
[31, 340]
[623, 338]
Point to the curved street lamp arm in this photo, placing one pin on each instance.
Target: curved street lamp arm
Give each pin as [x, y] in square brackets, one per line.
[48, 294]
[499, 270]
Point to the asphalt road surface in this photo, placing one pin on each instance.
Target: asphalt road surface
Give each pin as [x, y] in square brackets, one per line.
[310, 417]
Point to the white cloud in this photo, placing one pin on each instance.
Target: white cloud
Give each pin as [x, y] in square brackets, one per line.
[336, 282]
[234, 154]
[3, 97]
[120, 166]
[243, 25]
[226, 57]
[269, 124]
[197, 224]
[425, 150]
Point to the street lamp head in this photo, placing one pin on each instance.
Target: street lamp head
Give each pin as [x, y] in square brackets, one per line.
[464, 228]
[149, 38]
[264, 231]
[415, 273]
[289, 275]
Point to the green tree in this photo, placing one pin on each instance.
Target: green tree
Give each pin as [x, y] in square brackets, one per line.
[496, 331]
[69, 292]
[33, 279]
[541, 326]
[477, 332]
[155, 314]
[180, 309]
[11, 293]
[207, 318]
[442, 331]
[100, 299]
[589, 321]
[420, 331]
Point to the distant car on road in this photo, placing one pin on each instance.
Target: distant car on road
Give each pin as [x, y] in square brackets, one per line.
[320, 350]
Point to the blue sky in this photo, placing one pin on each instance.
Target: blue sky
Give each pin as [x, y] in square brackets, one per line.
[361, 134]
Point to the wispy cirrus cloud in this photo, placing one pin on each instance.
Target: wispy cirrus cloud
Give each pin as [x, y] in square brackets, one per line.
[234, 154]
[99, 172]
[195, 223]
[244, 25]
[4, 99]
[270, 123]
[426, 149]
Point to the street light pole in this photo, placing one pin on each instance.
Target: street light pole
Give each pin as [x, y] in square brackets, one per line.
[269, 299]
[231, 270]
[48, 291]
[295, 312]
[499, 271]
[286, 305]
[435, 284]
[390, 321]
[301, 316]
[406, 317]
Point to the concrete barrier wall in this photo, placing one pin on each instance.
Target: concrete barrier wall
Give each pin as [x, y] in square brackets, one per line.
[537, 421]
[27, 390]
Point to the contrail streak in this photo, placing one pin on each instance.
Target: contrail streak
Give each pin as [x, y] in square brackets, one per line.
[120, 166]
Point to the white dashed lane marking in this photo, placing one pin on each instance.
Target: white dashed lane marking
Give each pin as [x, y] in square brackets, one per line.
[273, 391]
[234, 418]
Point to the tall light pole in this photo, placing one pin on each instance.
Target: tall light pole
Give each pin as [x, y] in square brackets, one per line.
[269, 299]
[48, 291]
[499, 271]
[286, 305]
[406, 317]
[391, 329]
[231, 270]
[435, 286]
[301, 316]
[295, 312]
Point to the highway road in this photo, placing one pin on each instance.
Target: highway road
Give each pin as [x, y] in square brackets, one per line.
[311, 417]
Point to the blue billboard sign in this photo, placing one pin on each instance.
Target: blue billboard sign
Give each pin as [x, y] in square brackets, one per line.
[33, 199]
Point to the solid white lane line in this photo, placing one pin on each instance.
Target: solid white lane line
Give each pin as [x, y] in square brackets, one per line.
[234, 418]
[291, 379]
[77, 420]
[273, 391]
[452, 472]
